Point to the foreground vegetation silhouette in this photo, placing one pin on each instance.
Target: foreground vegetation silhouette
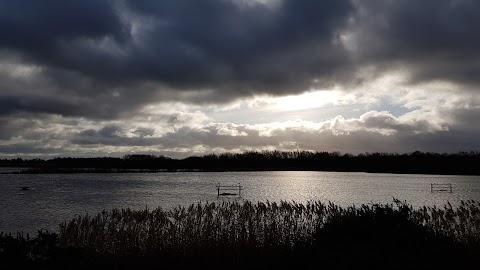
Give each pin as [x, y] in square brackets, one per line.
[263, 235]
[416, 162]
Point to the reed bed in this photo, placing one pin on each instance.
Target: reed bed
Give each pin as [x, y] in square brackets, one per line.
[204, 225]
[232, 227]
[284, 235]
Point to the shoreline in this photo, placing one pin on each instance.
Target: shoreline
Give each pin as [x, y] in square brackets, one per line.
[153, 170]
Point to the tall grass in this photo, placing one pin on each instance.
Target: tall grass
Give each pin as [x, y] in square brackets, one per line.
[231, 227]
[245, 235]
[461, 224]
[200, 226]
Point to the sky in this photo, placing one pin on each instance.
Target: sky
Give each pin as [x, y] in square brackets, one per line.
[89, 78]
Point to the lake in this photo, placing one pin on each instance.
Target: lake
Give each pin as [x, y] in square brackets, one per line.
[58, 197]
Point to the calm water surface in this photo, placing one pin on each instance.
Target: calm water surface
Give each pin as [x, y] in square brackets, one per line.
[59, 197]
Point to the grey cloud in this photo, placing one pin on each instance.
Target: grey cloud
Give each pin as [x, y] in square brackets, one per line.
[348, 135]
[13, 127]
[37, 28]
[34, 127]
[142, 132]
[287, 139]
[184, 137]
[110, 131]
[212, 43]
[211, 138]
[102, 59]
[111, 135]
[195, 51]
[384, 120]
[365, 134]
[105, 60]
[27, 149]
[65, 93]
[41, 104]
[431, 40]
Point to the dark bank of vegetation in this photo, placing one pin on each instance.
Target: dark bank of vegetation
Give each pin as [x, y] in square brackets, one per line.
[417, 162]
[246, 235]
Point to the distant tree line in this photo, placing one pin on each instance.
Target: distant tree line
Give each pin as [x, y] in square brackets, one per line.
[415, 162]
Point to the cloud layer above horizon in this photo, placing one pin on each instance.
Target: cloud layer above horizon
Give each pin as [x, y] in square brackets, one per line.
[183, 77]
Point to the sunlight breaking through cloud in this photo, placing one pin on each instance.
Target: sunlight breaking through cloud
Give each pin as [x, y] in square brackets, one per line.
[179, 77]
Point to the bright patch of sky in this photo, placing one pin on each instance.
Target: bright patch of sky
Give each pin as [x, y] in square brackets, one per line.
[385, 94]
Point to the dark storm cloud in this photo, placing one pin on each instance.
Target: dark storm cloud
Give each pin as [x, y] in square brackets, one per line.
[235, 49]
[218, 50]
[431, 39]
[102, 61]
[195, 51]
[37, 28]
[34, 104]
[218, 42]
